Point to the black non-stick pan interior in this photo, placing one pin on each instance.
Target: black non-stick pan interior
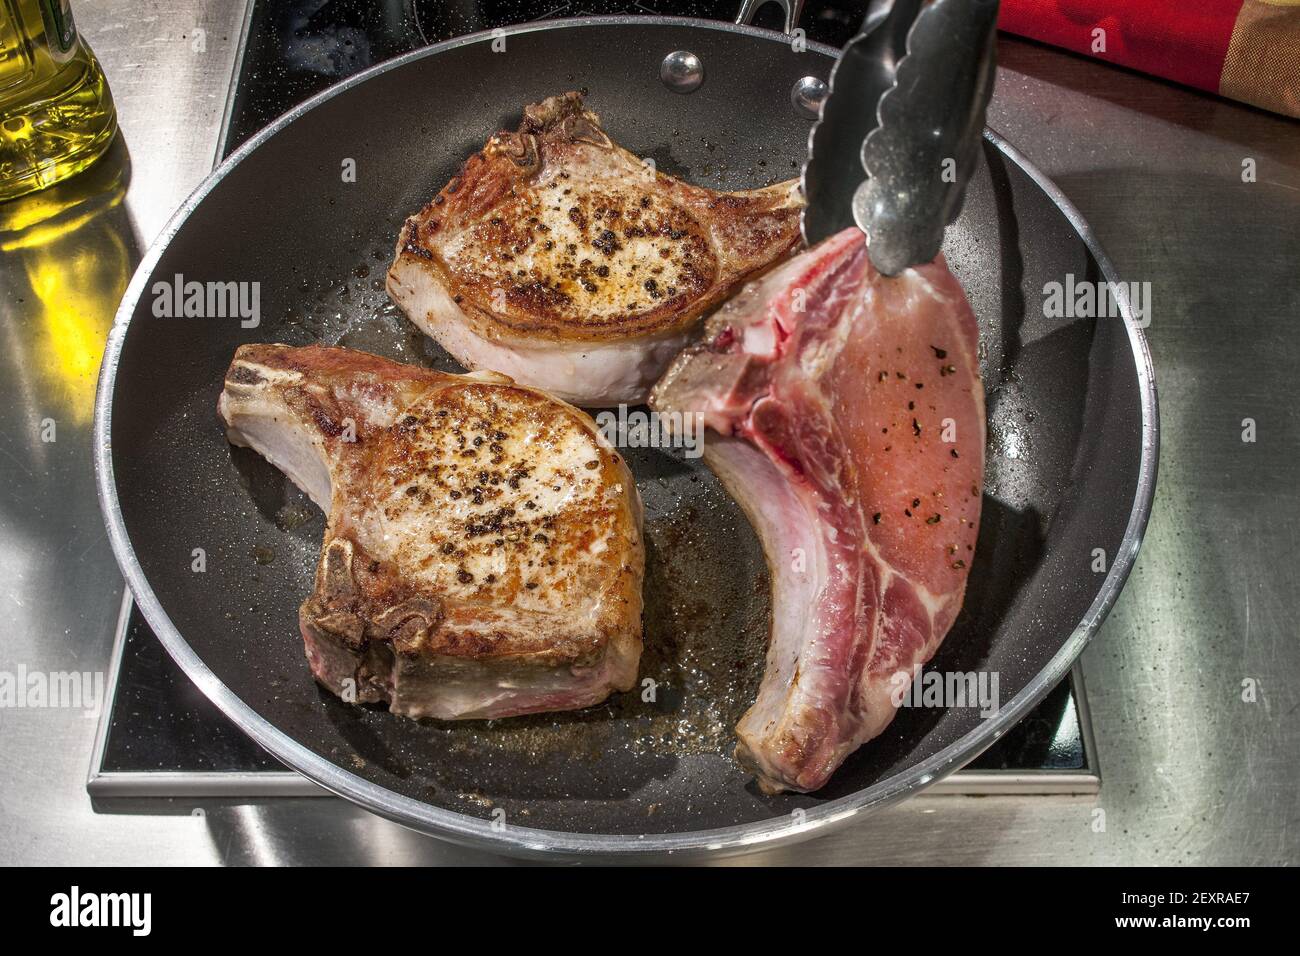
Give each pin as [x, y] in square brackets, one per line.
[1065, 437]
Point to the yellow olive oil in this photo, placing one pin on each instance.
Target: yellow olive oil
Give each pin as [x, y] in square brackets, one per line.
[56, 113]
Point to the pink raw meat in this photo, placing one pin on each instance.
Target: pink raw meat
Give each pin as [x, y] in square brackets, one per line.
[849, 420]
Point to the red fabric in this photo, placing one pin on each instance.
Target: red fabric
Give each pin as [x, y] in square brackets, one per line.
[1181, 40]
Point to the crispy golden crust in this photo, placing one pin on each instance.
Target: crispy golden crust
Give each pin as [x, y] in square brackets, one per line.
[555, 232]
[470, 517]
[495, 500]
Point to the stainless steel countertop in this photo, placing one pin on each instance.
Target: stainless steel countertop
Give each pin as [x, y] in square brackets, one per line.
[1192, 773]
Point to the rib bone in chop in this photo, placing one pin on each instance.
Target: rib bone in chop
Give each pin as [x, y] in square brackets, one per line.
[483, 553]
[850, 421]
[562, 260]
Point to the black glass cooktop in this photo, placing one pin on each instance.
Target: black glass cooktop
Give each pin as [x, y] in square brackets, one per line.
[161, 724]
[161, 736]
[298, 47]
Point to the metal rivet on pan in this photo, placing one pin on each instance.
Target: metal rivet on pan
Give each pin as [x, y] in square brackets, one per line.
[807, 96]
[682, 71]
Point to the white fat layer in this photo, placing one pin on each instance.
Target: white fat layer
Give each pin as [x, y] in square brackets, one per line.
[257, 419]
[790, 531]
[588, 374]
[480, 693]
[293, 450]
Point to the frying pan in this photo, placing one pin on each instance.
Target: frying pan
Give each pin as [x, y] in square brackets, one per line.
[1070, 474]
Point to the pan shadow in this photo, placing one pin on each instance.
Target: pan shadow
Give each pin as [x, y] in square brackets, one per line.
[266, 485]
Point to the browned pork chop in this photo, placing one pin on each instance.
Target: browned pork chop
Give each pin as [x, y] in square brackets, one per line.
[559, 258]
[483, 554]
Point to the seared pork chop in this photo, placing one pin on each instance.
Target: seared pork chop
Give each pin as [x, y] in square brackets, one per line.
[562, 260]
[483, 553]
[849, 415]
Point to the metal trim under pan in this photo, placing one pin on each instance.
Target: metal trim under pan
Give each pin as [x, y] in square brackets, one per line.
[107, 784]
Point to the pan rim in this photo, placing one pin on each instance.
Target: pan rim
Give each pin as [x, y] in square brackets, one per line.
[523, 841]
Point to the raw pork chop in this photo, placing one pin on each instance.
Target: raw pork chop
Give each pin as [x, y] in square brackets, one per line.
[562, 260]
[483, 555]
[851, 422]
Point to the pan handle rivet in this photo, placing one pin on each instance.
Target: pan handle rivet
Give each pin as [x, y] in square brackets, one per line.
[807, 96]
[682, 71]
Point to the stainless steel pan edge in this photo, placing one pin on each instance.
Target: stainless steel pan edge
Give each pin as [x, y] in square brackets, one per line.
[527, 842]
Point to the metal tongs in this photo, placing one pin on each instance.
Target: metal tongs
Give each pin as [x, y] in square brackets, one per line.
[900, 129]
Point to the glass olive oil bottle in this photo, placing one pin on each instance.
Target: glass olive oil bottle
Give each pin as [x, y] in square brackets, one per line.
[56, 114]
